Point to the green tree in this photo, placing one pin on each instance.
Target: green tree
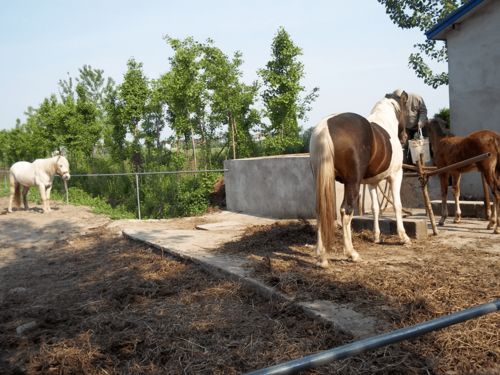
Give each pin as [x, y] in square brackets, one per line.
[183, 90]
[230, 100]
[423, 14]
[93, 82]
[133, 95]
[154, 117]
[282, 94]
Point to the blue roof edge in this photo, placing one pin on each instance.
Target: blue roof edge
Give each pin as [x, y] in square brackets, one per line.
[452, 18]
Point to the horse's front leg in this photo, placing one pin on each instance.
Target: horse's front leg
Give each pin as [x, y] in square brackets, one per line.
[47, 194]
[43, 196]
[25, 197]
[376, 212]
[443, 179]
[351, 192]
[395, 184]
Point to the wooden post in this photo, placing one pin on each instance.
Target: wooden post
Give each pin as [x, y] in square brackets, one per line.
[423, 178]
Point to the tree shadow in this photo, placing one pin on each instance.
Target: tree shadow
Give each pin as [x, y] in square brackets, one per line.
[105, 303]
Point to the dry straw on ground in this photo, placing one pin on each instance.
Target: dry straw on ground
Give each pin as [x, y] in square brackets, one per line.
[107, 305]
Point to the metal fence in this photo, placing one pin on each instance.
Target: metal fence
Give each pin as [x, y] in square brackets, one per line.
[137, 184]
[135, 174]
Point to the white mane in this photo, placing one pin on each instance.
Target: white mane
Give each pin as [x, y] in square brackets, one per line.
[384, 114]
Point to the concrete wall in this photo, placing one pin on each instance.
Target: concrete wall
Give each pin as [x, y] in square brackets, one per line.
[283, 187]
[277, 187]
[474, 73]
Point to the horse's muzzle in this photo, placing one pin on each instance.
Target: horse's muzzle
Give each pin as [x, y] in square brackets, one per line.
[66, 176]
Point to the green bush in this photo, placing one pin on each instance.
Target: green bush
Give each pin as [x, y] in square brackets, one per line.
[99, 205]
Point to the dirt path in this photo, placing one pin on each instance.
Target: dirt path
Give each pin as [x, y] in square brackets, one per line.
[87, 300]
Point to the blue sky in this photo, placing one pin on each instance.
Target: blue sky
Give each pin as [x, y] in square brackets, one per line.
[352, 51]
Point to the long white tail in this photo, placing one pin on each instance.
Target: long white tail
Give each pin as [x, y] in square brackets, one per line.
[323, 165]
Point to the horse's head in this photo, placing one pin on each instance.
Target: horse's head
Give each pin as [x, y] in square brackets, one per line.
[401, 109]
[62, 167]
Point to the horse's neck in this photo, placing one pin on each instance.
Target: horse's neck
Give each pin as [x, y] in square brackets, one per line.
[442, 141]
[383, 114]
[48, 166]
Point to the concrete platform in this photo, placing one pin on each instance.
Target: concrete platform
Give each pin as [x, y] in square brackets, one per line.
[468, 208]
[415, 227]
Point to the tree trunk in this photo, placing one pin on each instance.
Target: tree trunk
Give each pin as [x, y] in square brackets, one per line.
[233, 131]
[194, 151]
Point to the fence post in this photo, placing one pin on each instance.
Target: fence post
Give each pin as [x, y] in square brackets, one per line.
[138, 198]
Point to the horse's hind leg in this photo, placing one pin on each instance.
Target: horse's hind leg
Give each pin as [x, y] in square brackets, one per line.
[14, 186]
[486, 192]
[456, 194]
[494, 184]
[395, 182]
[351, 192]
[376, 212]
[25, 197]
[320, 249]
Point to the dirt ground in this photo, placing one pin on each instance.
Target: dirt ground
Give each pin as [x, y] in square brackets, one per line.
[97, 303]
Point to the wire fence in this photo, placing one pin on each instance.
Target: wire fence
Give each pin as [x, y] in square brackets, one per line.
[137, 180]
[134, 174]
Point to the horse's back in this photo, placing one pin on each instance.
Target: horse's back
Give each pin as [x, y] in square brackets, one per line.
[362, 150]
[23, 173]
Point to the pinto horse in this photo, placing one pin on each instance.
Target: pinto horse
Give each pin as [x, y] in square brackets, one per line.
[39, 173]
[353, 149]
[449, 149]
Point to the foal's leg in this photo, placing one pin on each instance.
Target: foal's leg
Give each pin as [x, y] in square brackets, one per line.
[25, 197]
[443, 179]
[489, 181]
[395, 182]
[376, 212]
[495, 217]
[486, 192]
[351, 192]
[456, 194]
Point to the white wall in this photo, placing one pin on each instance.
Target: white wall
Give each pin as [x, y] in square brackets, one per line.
[474, 73]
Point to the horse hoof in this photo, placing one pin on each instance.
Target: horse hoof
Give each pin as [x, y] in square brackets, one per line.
[441, 223]
[356, 258]
[457, 221]
[322, 264]
[377, 240]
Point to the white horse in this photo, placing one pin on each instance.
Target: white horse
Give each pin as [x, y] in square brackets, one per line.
[39, 173]
[352, 150]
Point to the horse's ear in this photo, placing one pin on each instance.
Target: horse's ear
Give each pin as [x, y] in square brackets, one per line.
[404, 98]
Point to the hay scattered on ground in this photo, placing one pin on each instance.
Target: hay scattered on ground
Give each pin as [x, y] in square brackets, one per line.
[400, 285]
[107, 305]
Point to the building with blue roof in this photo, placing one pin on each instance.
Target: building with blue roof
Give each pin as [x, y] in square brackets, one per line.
[472, 36]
